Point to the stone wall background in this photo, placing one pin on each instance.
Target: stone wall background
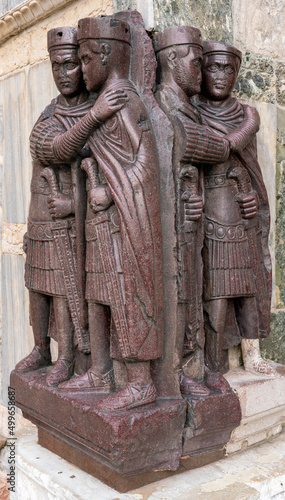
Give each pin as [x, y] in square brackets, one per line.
[26, 87]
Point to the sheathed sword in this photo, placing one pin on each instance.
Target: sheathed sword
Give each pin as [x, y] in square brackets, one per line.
[241, 176]
[108, 262]
[59, 230]
[189, 185]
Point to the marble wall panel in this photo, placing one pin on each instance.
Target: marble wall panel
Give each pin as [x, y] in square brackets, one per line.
[17, 339]
[16, 148]
[266, 152]
[258, 26]
[41, 90]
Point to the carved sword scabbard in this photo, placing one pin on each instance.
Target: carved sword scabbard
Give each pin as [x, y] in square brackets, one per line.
[66, 258]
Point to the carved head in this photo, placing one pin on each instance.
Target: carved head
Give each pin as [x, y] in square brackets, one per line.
[66, 66]
[104, 50]
[179, 54]
[221, 64]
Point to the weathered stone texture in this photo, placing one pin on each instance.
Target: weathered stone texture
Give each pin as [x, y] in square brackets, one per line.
[280, 83]
[274, 346]
[12, 238]
[256, 78]
[280, 210]
[258, 27]
[212, 17]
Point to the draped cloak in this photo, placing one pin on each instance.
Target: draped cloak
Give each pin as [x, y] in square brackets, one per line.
[225, 120]
[132, 175]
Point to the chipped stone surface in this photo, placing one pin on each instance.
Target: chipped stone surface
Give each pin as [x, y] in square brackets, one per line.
[12, 238]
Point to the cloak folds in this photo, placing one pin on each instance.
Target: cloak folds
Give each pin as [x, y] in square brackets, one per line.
[132, 175]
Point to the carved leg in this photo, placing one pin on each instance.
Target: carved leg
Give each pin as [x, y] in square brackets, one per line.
[215, 313]
[99, 377]
[39, 314]
[63, 368]
[252, 360]
[247, 319]
[139, 391]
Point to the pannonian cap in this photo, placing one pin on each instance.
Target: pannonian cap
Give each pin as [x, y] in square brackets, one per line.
[98, 28]
[213, 47]
[177, 35]
[59, 37]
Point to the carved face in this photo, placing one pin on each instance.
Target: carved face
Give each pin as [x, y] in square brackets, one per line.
[93, 65]
[66, 70]
[187, 71]
[219, 76]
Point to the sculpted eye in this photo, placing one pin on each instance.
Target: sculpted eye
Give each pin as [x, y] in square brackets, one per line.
[229, 70]
[213, 68]
[71, 66]
[55, 67]
[85, 59]
[197, 63]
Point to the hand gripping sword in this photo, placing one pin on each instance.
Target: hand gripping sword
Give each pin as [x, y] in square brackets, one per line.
[241, 176]
[59, 230]
[109, 265]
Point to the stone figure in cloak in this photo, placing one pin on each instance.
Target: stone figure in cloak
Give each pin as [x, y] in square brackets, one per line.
[179, 53]
[55, 245]
[237, 265]
[123, 230]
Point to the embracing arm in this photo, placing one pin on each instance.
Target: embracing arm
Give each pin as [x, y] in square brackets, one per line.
[246, 131]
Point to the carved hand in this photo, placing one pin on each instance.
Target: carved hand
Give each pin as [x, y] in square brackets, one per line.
[193, 207]
[60, 206]
[248, 204]
[100, 198]
[108, 103]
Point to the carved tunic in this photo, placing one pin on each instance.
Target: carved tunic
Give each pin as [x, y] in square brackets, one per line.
[43, 271]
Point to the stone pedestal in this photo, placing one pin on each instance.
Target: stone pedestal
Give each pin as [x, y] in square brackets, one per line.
[107, 445]
[262, 401]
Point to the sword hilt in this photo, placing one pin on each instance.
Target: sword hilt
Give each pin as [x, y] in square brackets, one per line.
[91, 168]
[49, 174]
[189, 176]
[241, 176]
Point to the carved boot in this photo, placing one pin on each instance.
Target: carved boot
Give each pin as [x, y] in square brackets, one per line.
[133, 395]
[190, 387]
[252, 360]
[62, 370]
[139, 391]
[38, 358]
[90, 381]
[216, 381]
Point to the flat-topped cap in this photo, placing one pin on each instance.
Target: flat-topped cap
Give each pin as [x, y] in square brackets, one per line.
[213, 47]
[104, 28]
[60, 37]
[177, 35]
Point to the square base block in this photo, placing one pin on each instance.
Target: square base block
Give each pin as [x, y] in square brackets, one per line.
[262, 401]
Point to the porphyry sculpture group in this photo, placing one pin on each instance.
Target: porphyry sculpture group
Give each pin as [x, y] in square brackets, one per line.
[95, 243]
